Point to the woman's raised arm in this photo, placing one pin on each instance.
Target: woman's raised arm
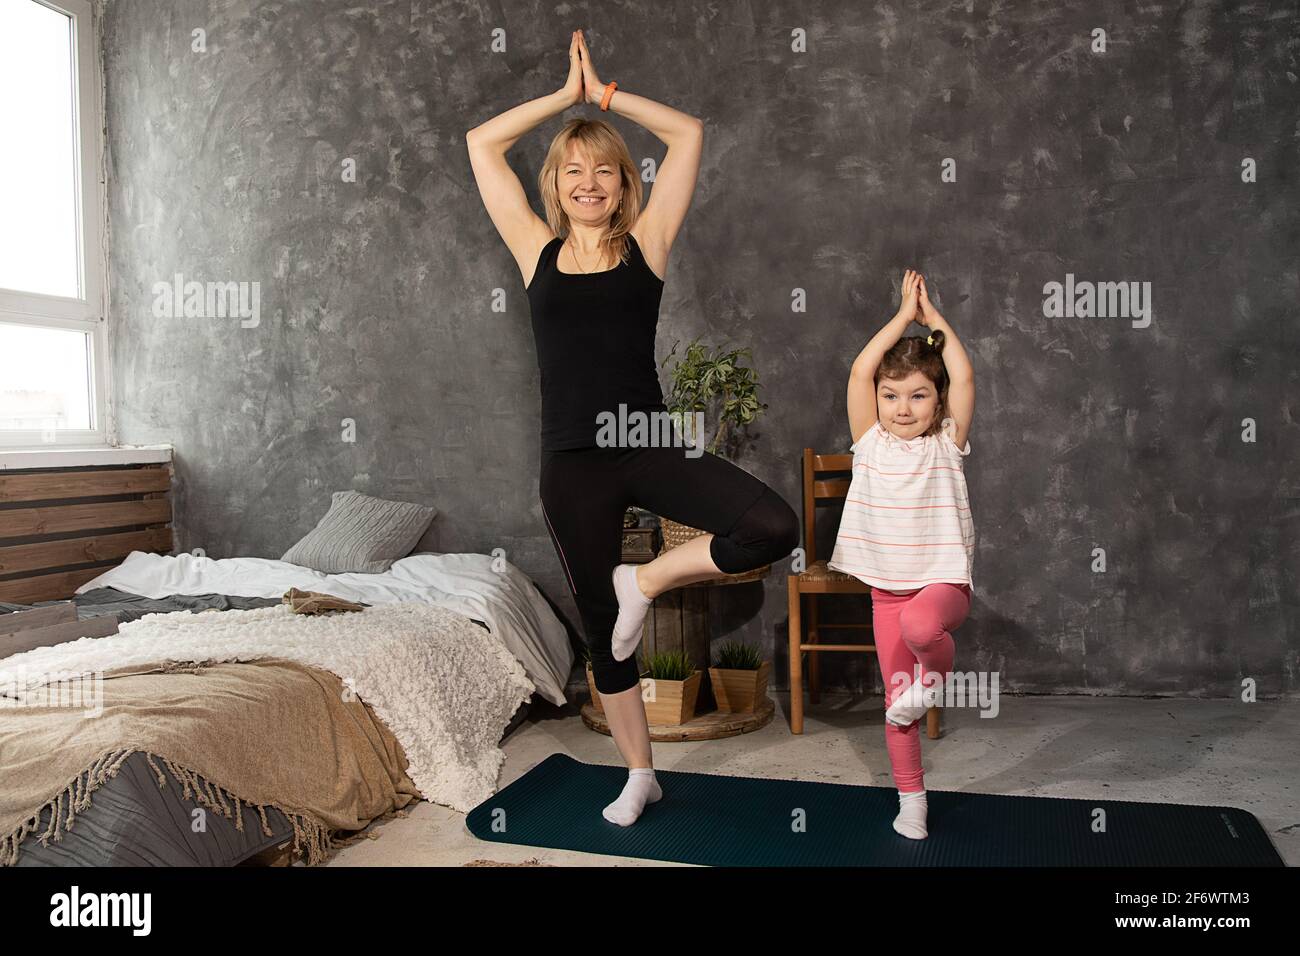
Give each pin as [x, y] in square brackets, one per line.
[502, 192]
[675, 180]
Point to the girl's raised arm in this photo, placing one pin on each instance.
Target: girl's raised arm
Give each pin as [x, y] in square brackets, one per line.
[522, 229]
[862, 386]
[961, 374]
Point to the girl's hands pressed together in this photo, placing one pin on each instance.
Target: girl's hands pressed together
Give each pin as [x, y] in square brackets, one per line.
[574, 92]
[593, 87]
[910, 307]
[930, 316]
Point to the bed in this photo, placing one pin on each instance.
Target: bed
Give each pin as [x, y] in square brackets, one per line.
[406, 699]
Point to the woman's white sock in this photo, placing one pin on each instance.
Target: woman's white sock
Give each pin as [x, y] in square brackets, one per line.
[910, 821]
[641, 788]
[632, 607]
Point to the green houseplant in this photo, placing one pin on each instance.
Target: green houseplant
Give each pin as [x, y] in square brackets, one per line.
[739, 678]
[718, 385]
[715, 382]
[670, 687]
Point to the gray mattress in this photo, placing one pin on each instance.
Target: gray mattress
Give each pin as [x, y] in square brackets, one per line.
[130, 820]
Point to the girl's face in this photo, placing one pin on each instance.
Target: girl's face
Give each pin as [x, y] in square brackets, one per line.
[582, 177]
[907, 406]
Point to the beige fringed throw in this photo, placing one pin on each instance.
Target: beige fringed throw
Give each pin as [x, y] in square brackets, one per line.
[220, 732]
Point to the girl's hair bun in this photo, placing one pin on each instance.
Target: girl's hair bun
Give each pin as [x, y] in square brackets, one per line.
[937, 338]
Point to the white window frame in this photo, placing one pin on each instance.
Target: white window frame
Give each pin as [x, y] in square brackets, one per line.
[86, 313]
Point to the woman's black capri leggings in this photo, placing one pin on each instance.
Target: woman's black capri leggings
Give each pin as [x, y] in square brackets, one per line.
[585, 492]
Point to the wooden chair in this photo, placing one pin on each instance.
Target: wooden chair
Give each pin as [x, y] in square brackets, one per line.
[818, 579]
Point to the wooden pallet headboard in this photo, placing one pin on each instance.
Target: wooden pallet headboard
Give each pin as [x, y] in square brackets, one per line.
[60, 527]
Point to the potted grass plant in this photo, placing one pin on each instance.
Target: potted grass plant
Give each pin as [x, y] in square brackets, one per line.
[739, 678]
[717, 383]
[670, 687]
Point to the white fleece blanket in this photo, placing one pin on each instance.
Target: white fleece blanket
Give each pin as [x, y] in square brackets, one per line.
[445, 687]
[482, 586]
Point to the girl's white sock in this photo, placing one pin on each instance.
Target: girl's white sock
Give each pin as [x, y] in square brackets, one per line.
[910, 821]
[632, 606]
[641, 788]
[913, 703]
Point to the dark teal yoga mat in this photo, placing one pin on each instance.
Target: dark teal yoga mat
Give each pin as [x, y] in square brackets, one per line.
[752, 821]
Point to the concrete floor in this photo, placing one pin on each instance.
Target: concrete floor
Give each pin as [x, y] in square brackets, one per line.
[1210, 752]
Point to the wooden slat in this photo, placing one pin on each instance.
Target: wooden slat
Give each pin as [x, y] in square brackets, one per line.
[695, 627]
[101, 626]
[832, 462]
[48, 587]
[667, 610]
[806, 478]
[19, 522]
[837, 647]
[102, 547]
[37, 617]
[58, 483]
[852, 586]
[831, 488]
[159, 496]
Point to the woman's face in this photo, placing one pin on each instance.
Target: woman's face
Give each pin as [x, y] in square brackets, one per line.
[580, 177]
[907, 406]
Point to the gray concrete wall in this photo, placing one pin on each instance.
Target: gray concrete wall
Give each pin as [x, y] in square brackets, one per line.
[822, 172]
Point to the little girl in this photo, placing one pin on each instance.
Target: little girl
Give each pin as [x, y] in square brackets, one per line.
[906, 528]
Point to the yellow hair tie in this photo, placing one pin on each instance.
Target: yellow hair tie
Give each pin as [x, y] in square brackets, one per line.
[929, 340]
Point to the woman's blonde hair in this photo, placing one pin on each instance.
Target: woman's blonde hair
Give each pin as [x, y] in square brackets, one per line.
[602, 143]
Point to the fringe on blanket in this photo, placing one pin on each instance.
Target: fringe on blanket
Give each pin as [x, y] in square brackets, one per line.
[311, 837]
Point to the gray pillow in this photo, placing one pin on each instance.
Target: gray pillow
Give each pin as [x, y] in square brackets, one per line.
[361, 533]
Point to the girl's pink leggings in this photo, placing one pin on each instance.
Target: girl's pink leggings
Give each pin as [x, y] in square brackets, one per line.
[910, 629]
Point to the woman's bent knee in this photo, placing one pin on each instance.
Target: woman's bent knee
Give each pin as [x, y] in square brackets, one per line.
[785, 534]
[611, 676]
[766, 532]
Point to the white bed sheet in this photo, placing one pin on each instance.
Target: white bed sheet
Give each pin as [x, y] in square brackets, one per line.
[505, 599]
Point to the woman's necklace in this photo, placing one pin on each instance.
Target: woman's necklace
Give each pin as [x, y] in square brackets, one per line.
[574, 253]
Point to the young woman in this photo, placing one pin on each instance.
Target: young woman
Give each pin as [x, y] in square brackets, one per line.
[593, 274]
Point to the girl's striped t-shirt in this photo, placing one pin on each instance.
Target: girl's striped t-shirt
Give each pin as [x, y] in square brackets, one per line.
[907, 519]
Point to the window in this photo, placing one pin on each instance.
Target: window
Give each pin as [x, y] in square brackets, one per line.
[52, 385]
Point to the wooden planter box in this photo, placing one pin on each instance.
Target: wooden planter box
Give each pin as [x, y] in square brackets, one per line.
[670, 701]
[739, 691]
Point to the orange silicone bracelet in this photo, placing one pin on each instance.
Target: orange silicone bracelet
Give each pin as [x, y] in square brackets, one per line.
[610, 87]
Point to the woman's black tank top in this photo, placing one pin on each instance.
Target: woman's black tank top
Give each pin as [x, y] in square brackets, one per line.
[595, 337]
